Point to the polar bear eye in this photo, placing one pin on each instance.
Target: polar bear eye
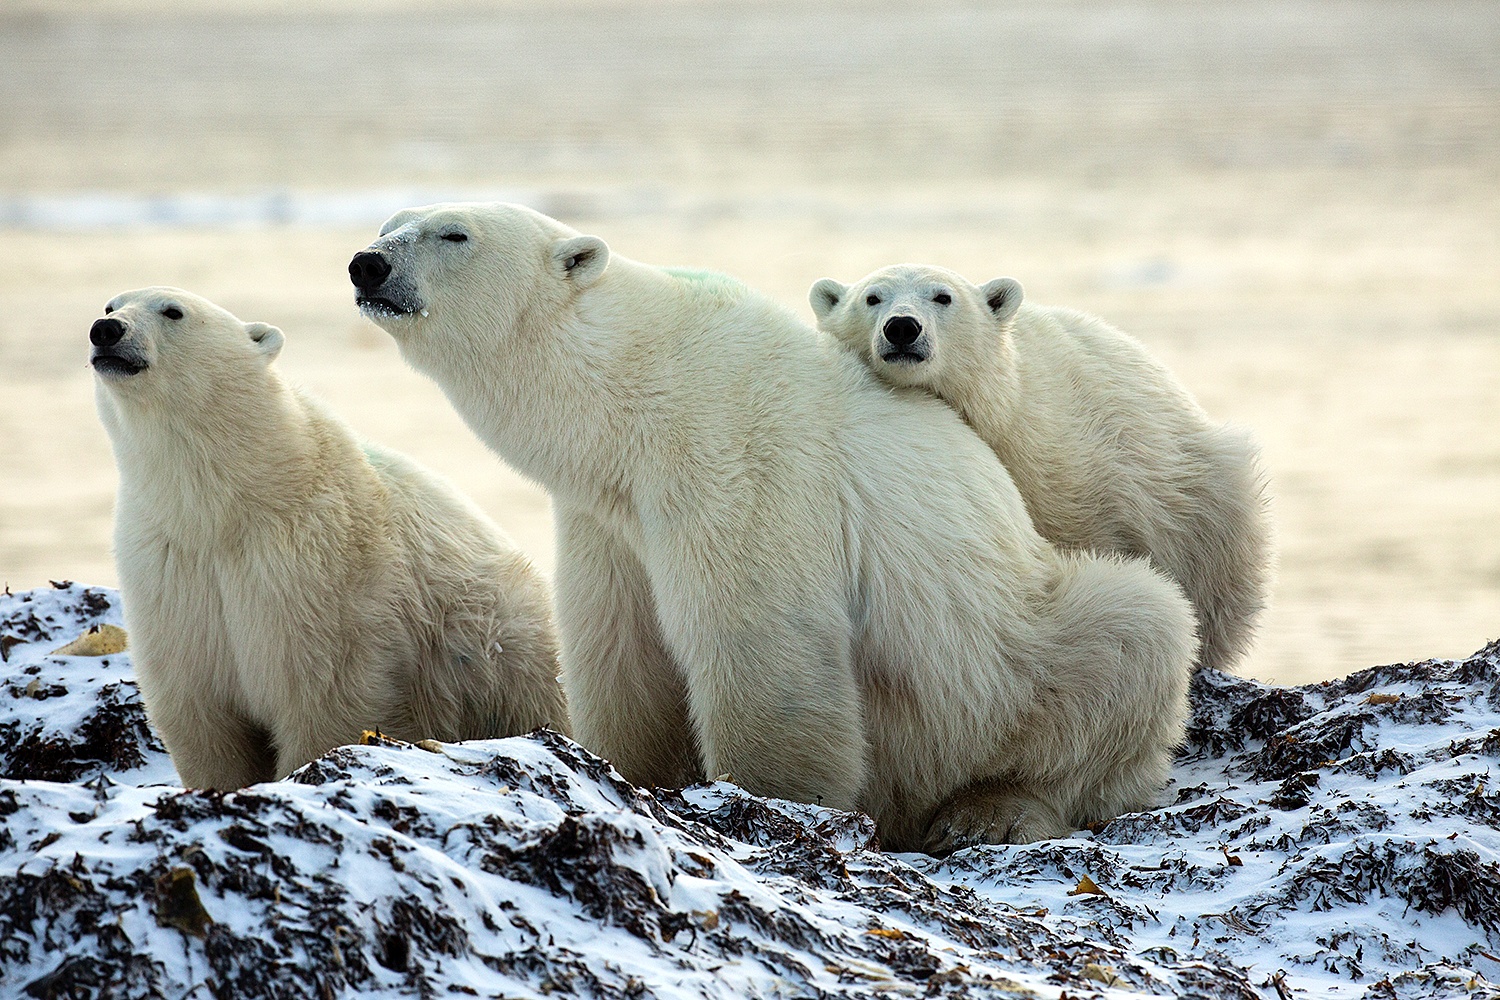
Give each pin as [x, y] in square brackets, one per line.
[455, 237]
[942, 298]
[172, 312]
[872, 300]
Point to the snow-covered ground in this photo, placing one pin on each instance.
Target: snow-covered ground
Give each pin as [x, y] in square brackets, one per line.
[1334, 840]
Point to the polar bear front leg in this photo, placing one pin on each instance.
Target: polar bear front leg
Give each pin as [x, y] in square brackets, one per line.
[626, 696]
[769, 667]
[183, 671]
[212, 746]
[992, 812]
[304, 737]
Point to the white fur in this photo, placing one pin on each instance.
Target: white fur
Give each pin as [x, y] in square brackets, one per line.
[771, 566]
[1108, 449]
[286, 588]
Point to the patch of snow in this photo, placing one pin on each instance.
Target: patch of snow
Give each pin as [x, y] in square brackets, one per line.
[1334, 840]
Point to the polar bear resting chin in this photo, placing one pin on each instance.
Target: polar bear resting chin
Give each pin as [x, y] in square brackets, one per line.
[285, 586]
[1109, 451]
[751, 579]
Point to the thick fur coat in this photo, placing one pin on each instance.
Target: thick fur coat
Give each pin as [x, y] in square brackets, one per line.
[286, 587]
[1109, 451]
[770, 565]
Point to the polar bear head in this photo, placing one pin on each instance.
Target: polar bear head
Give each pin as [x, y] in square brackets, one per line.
[447, 281]
[167, 345]
[914, 324]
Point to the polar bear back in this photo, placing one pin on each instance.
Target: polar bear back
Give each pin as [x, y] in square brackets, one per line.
[1089, 399]
[1113, 454]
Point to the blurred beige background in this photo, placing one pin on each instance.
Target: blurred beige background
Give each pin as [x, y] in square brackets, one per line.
[1295, 203]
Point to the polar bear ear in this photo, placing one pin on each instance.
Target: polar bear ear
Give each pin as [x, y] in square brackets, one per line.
[1003, 296]
[581, 259]
[398, 220]
[825, 295]
[266, 338]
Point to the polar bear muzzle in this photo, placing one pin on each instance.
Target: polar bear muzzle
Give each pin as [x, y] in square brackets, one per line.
[109, 357]
[369, 269]
[376, 295]
[904, 342]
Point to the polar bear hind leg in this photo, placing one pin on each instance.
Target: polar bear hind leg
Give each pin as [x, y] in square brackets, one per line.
[1111, 708]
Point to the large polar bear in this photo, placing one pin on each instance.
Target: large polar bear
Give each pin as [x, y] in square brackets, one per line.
[1109, 451]
[772, 567]
[286, 587]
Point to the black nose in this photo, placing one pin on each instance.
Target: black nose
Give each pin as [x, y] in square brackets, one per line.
[367, 270]
[106, 332]
[902, 331]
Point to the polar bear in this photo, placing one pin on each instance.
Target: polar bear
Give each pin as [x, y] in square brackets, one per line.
[772, 567]
[1108, 449]
[286, 587]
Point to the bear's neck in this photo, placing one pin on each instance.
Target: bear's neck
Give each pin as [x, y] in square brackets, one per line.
[589, 398]
[248, 448]
[564, 414]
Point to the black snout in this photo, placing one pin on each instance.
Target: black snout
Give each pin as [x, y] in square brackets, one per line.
[106, 332]
[368, 270]
[902, 331]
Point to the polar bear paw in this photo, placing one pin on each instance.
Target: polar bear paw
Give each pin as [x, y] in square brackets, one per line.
[992, 812]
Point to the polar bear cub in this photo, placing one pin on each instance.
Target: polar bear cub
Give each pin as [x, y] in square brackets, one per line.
[772, 566]
[286, 587]
[1109, 451]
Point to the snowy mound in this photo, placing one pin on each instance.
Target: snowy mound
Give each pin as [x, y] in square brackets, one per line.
[1335, 840]
[70, 718]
